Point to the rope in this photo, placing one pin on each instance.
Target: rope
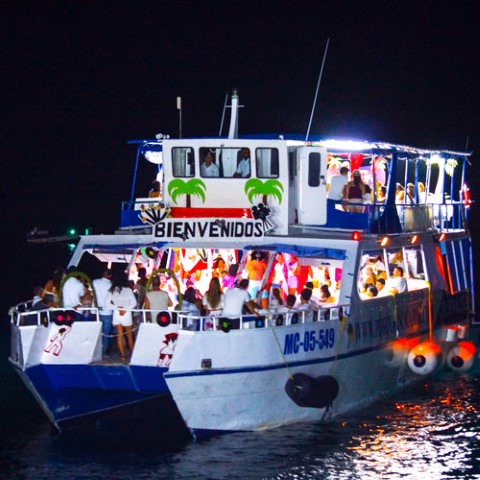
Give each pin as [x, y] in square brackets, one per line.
[290, 374]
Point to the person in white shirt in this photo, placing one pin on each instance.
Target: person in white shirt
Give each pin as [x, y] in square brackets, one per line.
[208, 168]
[121, 298]
[335, 189]
[73, 291]
[396, 283]
[243, 168]
[101, 287]
[235, 298]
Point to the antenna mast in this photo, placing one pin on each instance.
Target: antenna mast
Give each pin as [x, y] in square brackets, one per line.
[318, 87]
[223, 115]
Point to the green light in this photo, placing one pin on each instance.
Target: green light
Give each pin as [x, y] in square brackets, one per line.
[72, 231]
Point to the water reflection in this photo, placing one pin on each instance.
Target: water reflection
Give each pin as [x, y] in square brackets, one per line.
[429, 432]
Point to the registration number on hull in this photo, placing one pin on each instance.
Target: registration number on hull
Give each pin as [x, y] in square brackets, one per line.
[310, 341]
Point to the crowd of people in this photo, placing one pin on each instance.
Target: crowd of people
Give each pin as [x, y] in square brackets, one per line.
[352, 193]
[227, 290]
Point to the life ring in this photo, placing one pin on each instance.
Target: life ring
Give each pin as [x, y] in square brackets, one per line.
[164, 319]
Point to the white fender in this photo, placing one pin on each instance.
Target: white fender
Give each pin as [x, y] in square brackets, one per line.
[424, 358]
[461, 356]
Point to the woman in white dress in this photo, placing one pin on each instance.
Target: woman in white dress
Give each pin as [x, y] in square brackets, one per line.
[121, 298]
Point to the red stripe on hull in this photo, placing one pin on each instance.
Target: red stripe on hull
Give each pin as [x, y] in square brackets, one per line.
[183, 212]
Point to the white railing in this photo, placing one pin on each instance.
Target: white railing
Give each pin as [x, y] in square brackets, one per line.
[266, 318]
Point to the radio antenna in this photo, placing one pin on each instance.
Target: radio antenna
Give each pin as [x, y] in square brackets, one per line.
[318, 87]
[223, 115]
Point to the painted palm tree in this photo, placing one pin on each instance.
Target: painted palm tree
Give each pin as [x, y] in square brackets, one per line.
[192, 187]
[255, 187]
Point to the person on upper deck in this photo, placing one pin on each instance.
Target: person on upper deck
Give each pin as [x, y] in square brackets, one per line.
[353, 193]
[335, 189]
[208, 168]
[243, 167]
[156, 190]
[410, 194]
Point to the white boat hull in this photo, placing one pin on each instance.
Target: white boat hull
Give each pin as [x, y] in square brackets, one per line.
[245, 388]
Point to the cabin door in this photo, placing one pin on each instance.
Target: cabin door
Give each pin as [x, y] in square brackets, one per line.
[311, 186]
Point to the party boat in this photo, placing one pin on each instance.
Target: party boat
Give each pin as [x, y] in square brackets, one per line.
[266, 200]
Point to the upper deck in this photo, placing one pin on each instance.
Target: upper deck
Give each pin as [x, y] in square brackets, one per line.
[255, 187]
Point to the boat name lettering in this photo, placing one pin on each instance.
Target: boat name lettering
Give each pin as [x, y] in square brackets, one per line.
[312, 340]
[175, 228]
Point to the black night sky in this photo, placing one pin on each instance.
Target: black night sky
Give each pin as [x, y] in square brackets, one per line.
[80, 78]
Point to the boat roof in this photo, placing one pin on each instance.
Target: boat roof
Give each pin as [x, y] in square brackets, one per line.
[332, 144]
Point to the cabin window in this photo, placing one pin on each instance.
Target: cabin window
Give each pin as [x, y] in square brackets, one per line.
[267, 162]
[228, 162]
[314, 166]
[209, 162]
[183, 162]
[372, 276]
[415, 268]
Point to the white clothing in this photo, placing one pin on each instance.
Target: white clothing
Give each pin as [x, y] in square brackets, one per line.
[209, 171]
[36, 299]
[102, 286]
[123, 299]
[158, 299]
[73, 291]
[337, 184]
[243, 168]
[233, 301]
[213, 311]
[397, 283]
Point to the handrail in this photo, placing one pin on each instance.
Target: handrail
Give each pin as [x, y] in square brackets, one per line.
[186, 321]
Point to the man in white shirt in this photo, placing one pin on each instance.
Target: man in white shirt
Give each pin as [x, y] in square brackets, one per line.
[208, 168]
[337, 184]
[235, 298]
[396, 283]
[243, 168]
[73, 291]
[102, 286]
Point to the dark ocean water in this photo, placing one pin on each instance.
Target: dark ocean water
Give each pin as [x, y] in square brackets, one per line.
[430, 431]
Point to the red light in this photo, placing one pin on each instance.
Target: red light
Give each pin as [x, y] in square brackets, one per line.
[414, 239]
[441, 238]
[356, 236]
[384, 241]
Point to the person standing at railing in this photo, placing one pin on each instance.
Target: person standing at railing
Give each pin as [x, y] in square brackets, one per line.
[213, 298]
[353, 193]
[122, 299]
[101, 286]
[73, 290]
[45, 303]
[235, 298]
[157, 299]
